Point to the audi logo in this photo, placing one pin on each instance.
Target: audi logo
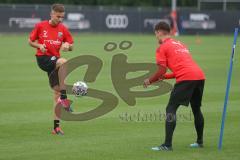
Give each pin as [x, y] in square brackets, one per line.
[117, 21]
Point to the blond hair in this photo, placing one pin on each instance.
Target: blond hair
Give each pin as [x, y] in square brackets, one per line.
[58, 7]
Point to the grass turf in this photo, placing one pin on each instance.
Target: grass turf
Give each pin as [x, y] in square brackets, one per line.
[26, 105]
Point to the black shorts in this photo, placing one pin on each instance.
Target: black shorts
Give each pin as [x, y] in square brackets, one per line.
[48, 64]
[186, 92]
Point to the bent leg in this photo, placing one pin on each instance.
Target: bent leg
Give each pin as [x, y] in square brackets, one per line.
[62, 73]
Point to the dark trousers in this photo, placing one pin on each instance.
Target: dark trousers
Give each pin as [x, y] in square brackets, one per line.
[184, 93]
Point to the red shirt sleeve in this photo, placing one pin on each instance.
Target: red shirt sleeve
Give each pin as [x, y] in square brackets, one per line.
[67, 36]
[158, 75]
[34, 34]
[161, 57]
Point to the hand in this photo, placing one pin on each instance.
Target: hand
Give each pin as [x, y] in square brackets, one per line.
[160, 79]
[146, 83]
[42, 47]
[65, 47]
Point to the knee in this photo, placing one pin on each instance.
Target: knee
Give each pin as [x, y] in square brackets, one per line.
[171, 113]
[171, 108]
[61, 61]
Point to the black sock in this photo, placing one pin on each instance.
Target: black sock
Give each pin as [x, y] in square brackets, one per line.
[63, 94]
[56, 123]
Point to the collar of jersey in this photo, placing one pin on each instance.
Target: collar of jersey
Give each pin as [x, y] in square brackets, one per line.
[53, 25]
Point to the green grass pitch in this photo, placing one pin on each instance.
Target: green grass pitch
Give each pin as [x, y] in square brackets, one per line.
[26, 105]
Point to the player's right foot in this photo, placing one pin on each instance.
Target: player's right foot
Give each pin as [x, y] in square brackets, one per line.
[196, 145]
[57, 131]
[162, 147]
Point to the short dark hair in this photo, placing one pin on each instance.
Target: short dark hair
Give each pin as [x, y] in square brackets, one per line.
[58, 7]
[163, 26]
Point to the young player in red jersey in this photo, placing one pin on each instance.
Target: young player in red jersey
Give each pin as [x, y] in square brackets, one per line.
[189, 86]
[49, 37]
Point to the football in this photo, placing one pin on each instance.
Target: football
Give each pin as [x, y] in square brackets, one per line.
[79, 88]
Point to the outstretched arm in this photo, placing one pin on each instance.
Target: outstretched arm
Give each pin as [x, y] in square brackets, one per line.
[168, 76]
[158, 75]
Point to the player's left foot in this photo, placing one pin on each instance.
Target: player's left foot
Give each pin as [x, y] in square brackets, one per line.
[162, 147]
[196, 145]
[66, 104]
[57, 131]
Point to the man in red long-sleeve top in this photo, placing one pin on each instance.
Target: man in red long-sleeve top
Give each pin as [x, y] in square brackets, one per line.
[174, 55]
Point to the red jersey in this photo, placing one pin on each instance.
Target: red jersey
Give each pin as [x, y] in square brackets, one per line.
[175, 56]
[51, 36]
